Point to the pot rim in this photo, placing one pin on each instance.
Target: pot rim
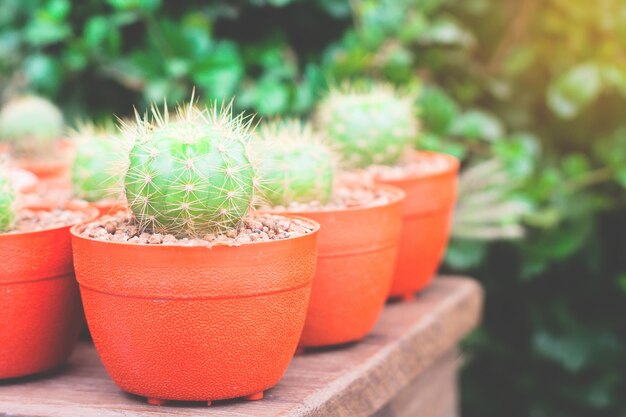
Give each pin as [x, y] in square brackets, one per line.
[316, 227]
[398, 197]
[92, 212]
[453, 167]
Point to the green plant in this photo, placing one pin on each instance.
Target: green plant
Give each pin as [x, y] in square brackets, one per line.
[95, 169]
[437, 111]
[192, 175]
[294, 163]
[370, 125]
[7, 202]
[31, 125]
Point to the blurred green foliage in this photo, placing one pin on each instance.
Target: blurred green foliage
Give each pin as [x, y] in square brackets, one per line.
[528, 93]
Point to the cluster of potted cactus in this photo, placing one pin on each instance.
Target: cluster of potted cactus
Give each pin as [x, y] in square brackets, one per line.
[209, 249]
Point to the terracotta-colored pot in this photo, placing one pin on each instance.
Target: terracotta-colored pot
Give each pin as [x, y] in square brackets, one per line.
[427, 219]
[55, 167]
[105, 207]
[192, 323]
[357, 251]
[39, 301]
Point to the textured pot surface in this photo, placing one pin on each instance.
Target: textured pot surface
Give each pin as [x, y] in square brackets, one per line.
[40, 303]
[427, 220]
[356, 256]
[195, 323]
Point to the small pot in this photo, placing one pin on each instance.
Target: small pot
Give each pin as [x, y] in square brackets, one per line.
[195, 323]
[105, 207]
[53, 167]
[356, 256]
[427, 220]
[39, 299]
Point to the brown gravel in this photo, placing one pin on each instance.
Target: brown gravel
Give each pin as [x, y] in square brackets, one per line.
[35, 220]
[121, 228]
[343, 198]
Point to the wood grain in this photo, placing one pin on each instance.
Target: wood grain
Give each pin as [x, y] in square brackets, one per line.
[433, 393]
[357, 380]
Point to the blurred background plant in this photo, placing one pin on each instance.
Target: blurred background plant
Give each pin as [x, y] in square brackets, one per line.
[528, 93]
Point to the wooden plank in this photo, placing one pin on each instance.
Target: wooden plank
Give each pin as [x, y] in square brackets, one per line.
[433, 393]
[353, 381]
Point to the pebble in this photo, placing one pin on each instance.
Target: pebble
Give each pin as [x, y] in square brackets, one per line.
[261, 228]
[34, 220]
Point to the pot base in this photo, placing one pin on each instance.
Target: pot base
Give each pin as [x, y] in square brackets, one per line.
[252, 397]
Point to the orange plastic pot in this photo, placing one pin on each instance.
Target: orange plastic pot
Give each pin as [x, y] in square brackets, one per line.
[193, 323]
[39, 300]
[427, 220]
[105, 207]
[54, 167]
[356, 256]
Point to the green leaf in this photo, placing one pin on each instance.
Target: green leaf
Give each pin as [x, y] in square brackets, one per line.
[570, 93]
[126, 5]
[271, 98]
[58, 9]
[446, 32]
[621, 282]
[464, 254]
[477, 124]
[575, 165]
[43, 30]
[96, 30]
[43, 72]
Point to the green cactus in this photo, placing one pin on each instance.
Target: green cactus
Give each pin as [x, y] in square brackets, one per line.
[190, 176]
[438, 111]
[7, 202]
[99, 152]
[31, 125]
[294, 164]
[373, 125]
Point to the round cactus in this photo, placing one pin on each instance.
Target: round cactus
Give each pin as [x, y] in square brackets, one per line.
[369, 126]
[438, 111]
[192, 175]
[294, 164]
[99, 152]
[31, 125]
[7, 202]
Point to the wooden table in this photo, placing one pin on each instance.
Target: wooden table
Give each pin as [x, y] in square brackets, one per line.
[406, 367]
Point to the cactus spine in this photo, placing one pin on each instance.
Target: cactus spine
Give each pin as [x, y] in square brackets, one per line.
[7, 201]
[372, 125]
[31, 125]
[294, 164]
[190, 176]
[99, 152]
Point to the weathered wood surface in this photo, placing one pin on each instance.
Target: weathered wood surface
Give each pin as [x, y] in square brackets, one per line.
[406, 367]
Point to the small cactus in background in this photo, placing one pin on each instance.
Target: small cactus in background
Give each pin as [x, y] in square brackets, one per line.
[7, 200]
[438, 111]
[294, 164]
[99, 152]
[31, 125]
[369, 126]
[192, 175]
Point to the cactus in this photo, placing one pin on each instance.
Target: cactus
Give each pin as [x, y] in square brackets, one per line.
[7, 201]
[31, 125]
[438, 111]
[372, 125]
[294, 164]
[98, 153]
[192, 175]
